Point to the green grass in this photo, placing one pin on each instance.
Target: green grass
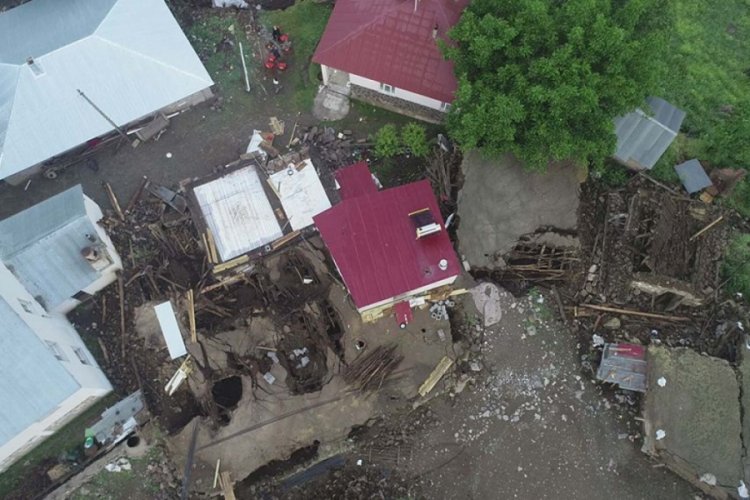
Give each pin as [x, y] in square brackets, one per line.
[124, 485]
[304, 22]
[69, 439]
[736, 266]
[707, 76]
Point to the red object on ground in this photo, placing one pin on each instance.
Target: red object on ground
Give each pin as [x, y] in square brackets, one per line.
[355, 180]
[281, 65]
[284, 38]
[271, 58]
[373, 241]
[403, 312]
[389, 42]
[629, 351]
[270, 64]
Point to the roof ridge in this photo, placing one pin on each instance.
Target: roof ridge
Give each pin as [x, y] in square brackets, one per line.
[147, 57]
[362, 27]
[10, 112]
[111, 8]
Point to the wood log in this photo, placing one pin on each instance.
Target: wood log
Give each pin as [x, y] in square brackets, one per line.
[631, 312]
[113, 200]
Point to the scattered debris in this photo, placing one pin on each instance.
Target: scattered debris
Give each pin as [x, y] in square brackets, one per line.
[370, 371]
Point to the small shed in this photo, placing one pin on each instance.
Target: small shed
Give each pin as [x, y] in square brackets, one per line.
[645, 134]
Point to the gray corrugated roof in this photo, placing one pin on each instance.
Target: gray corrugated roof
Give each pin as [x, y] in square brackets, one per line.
[642, 139]
[32, 381]
[42, 246]
[130, 57]
[693, 176]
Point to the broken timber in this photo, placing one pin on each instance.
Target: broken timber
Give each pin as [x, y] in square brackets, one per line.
[191, 316]
[630, 312]
[437, 374]
[113, 200]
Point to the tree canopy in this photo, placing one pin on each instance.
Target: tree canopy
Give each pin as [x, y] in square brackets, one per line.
[543, 79]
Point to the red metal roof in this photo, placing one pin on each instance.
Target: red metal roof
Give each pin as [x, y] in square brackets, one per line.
[374, 243]
[355, 180]
[390, 42]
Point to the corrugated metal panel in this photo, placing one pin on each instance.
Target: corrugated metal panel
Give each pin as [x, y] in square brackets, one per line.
[237, 211]
[693, 176]
[666, 114]
[32, 381]
[27, 227]
[301, 194]
[643, 139]
[134, 61]
[42, 245]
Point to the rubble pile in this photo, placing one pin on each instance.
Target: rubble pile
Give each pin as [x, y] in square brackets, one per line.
[332, 148]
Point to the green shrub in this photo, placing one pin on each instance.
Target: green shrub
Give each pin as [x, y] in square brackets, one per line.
[414, 137]
[610, 174]
[736, 267]
[740, 198]
[386, 141]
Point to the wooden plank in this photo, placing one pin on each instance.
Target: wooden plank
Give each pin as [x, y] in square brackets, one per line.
[227, 487]
[284, 240]
[113, 200]
[440, 370]
[212, 246]
[632, 312]
[191, 316]
[121, 295]
[216, 473]
[706, 228]
[219, 268]
[137, 195]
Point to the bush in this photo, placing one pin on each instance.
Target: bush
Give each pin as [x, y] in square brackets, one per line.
[736, 267]
[610, 174]
[414, 137]
[386, 141]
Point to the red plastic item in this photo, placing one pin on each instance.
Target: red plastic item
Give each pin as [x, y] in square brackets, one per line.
[284, 38]
[271, 57]
[281, 65]
[270, 64]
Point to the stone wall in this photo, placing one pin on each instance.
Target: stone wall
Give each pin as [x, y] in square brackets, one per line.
[397, 105]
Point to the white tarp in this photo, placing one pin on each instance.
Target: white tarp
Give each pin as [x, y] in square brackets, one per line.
[301, 194]
[238, 213]
[170, 329]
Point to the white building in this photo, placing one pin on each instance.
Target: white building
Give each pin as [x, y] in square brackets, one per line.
[51, 255]
[386, 53]
[70, 70]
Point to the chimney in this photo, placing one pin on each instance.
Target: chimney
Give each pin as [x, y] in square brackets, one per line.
[435, 32]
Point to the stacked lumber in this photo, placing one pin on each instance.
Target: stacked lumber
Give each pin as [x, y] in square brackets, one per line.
[370, 371]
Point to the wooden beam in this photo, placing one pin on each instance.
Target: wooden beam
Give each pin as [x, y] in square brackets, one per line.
[113, 201]
[227, 487]
[631, 312]
[706, 228]
[191, 316]
[137, 195]
[440, 370]
[284, 240]
[121, 294]
[216, 473]
[219, 268]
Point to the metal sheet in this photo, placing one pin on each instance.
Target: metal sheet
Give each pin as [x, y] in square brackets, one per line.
[301, 194]
[238, 213]
[130, 58]
[693, 176]
[42, 245]
[32, 381]
[170, 329]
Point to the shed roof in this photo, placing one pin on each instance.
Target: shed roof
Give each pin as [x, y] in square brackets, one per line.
[644, 136]
[390, 41]
[373, 242]
[301, 194]
[32, 381]
[130, 57]
[42, 246]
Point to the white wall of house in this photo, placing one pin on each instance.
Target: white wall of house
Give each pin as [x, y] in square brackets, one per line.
[385, 89]
[71, 353]
[109, 274]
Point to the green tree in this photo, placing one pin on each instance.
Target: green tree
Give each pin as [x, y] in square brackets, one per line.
[414, 137]
[386, 141]
[544, 78]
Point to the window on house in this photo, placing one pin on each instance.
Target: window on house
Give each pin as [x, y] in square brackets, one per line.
[27, 305]
[445, 106]
[81, 356]
[389, 89]
[55, 348]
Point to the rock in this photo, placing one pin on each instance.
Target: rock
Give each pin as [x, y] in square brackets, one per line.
[475, 366]
[612, 324]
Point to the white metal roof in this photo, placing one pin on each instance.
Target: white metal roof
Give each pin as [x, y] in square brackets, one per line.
[43, 243]
[301, 194]
[130, 57]
[238, 213]
[32, 382]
